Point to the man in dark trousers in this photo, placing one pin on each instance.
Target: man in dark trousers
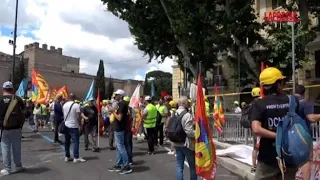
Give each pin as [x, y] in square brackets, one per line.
[90, 116]
[58, 117]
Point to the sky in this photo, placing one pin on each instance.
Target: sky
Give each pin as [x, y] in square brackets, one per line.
[83, 28]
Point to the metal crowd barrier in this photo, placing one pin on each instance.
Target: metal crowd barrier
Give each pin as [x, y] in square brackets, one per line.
[234, 133]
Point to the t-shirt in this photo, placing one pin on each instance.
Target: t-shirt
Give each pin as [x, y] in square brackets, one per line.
[72, 120]
[51, 107]
[123, 109]
[4, 104]
[269, 111]
[92, 113]
[305, 108]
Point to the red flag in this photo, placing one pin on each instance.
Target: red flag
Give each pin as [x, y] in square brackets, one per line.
[99, 112]
[261, 86]
[205, 152]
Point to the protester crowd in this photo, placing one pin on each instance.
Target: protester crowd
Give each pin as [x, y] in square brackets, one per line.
[153, 120]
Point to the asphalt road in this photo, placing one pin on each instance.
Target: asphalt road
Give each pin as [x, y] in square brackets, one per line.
[45, 160]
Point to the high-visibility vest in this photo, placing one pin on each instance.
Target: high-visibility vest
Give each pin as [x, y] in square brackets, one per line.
[151, 119]
[161, 110]
[207, 108]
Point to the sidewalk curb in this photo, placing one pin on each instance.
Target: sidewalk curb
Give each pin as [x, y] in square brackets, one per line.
[232, 165]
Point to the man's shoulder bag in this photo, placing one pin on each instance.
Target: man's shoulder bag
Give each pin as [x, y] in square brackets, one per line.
[62, 127]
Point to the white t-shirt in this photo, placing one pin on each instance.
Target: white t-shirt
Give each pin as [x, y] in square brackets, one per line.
[237, 110]
[72, 120]
[51, 107]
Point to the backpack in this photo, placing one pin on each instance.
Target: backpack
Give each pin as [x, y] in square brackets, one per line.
[175, 131]
[245, 119]
[14, 117]
[293, 139]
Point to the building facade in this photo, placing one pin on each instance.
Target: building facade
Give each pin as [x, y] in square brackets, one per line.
[58, 69]
[308, 75]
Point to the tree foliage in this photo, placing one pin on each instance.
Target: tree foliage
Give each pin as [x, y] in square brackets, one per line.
[110, 88]
[210, 27]
[162, 81]
[100, 81]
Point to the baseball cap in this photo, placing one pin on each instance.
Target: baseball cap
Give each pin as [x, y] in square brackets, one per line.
[147, 98]
[7, 85]
[119, 92]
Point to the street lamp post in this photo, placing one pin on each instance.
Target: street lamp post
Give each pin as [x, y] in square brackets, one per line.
[14, 42]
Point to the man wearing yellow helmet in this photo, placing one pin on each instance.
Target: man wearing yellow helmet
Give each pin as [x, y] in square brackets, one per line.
[265, 116]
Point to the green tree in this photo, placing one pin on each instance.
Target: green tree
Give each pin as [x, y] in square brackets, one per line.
[162, 81]
[110, 88]
[100, 82]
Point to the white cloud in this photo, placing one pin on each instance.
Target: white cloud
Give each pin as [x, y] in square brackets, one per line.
[139, 78]
[83, 29]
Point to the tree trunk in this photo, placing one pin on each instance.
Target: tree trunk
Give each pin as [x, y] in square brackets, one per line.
[247, 54]
[181, 44]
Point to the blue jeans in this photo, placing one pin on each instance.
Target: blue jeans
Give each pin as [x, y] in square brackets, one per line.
[11, 138]
[183, 153]
[128, 144]
[74, 134]
[121, 153]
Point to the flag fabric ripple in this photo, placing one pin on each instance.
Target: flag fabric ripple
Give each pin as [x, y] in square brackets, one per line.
[205, 152]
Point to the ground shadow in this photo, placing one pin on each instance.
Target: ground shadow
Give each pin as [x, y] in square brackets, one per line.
[35, 170]
[140, 153]
[34, 136]
[26, 140]
[140, 168]
[143, 149]
[161, 152]
[139, 162]
[48, 149]
[91, 158]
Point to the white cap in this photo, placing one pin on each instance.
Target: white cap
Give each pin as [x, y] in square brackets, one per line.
[7, 85]
[147, 98]
[119, 92]
[91, 99]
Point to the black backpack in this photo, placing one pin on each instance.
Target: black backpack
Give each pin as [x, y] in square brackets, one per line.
[175, 131]
[16, 116]
[245, 117]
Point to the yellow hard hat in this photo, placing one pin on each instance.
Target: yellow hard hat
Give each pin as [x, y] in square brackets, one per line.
[270, 75]
[126, 99]
[255, 92]
[172, 103]
[236, 102]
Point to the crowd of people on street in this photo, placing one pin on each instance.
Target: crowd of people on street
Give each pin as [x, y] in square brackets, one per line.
[73, 119]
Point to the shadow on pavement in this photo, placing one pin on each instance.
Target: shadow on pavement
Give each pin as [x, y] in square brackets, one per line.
[140, 153]
[36, 170]
[35, 136]
[161, 152]
[27, 140]
[48, 149]
[140, 168]
[91, 158]
[139, 162]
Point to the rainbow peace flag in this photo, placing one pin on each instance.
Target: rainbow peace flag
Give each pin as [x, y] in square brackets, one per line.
[40, 88]
[205, 152]
[218, 111]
